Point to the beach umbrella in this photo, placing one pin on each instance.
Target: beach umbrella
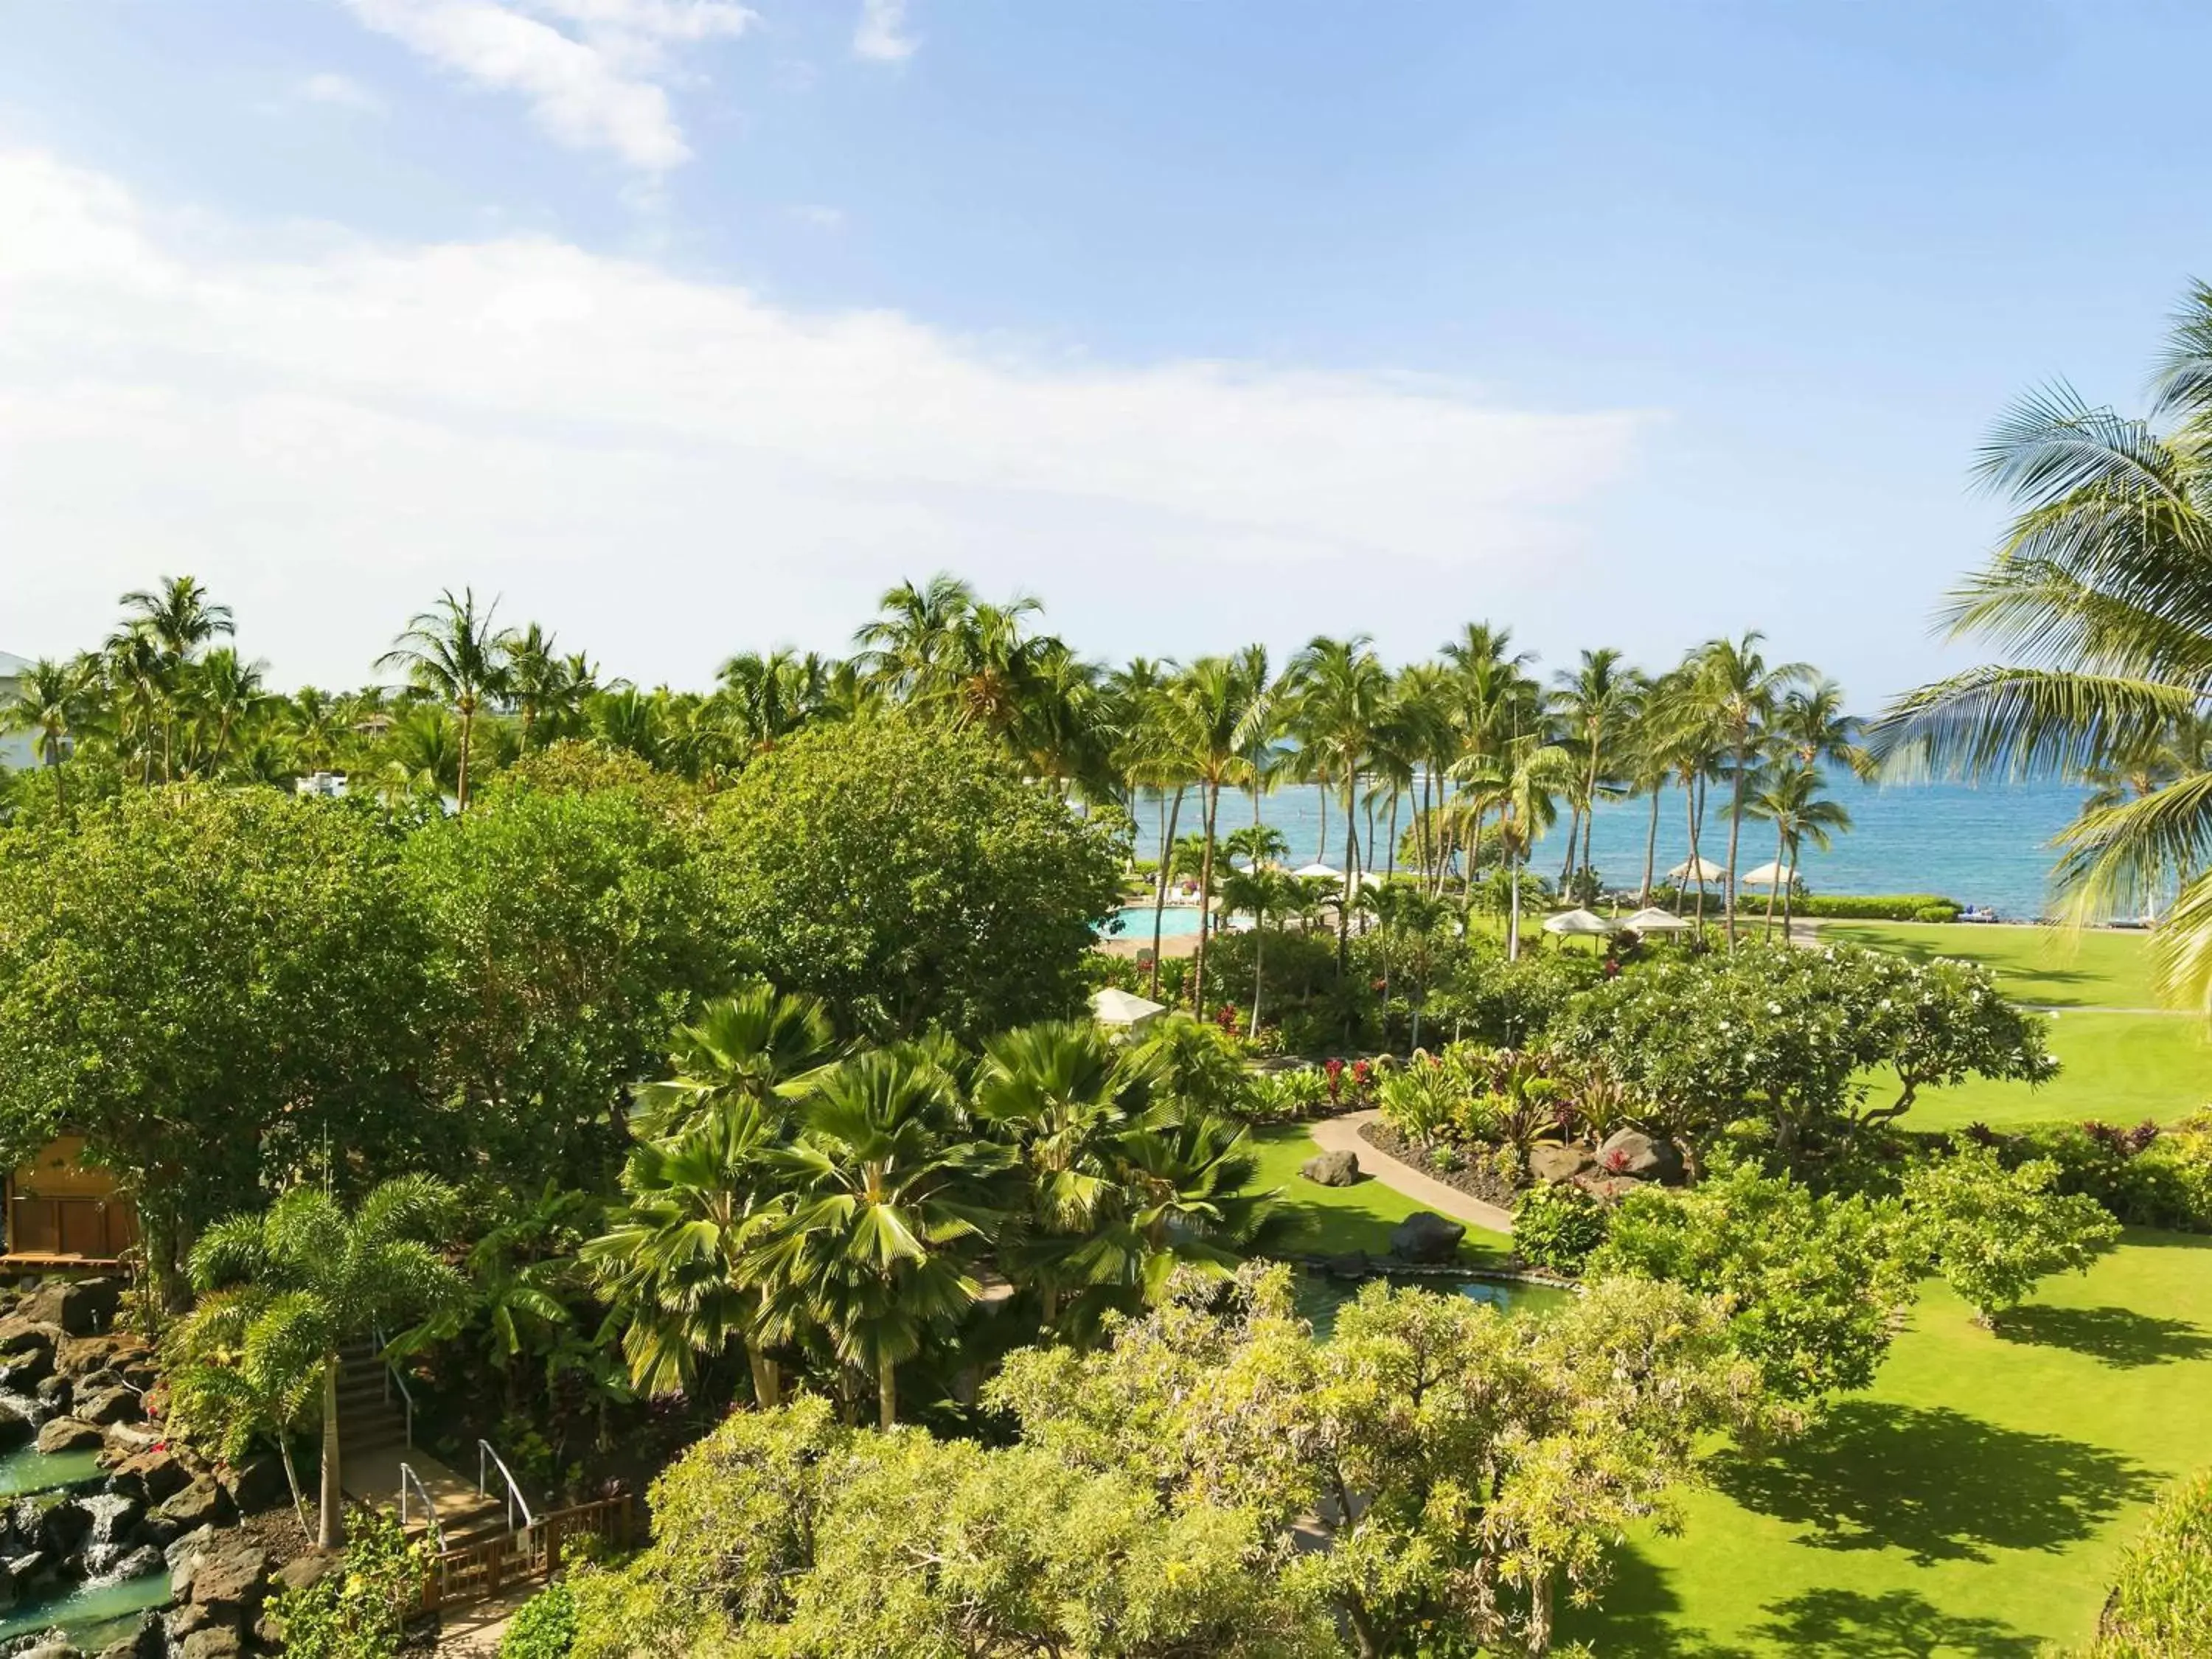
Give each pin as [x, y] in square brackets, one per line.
[1697, 870]
[1581, 923]
[1767, 875]
[1317, 872]
[1115, 1007]
[1652, 920]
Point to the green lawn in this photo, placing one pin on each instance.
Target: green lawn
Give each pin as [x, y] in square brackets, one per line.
[1974, 1502]
[2121, 1067]
[1340, 1219]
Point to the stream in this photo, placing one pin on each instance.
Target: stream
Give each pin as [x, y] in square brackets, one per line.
[103, 1608]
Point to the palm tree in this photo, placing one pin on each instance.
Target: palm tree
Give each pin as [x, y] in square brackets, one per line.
[903, 649]
[47, 702]
[1524, 791]
[302, 1280]
[1259, 892]
[1651, 757]
[547, 689]
[1207, 703]
[229, 692]
[672, 1262]
[759, 1043]
[1789, 799]
[452, 652]
[1494, 703]
[178, 619]
[1341, 689]
[2098, 595]
[1597, 704]
[1740, 692]
[888, 1195]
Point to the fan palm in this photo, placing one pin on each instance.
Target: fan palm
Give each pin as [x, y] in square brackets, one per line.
[454, 652]
[298, 1283]
[2100, 596]
[758, 1042]
[888, 1196]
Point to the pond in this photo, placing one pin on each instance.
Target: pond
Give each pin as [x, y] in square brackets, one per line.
[1319, 1296]
[94, 1615]
[27, 1469]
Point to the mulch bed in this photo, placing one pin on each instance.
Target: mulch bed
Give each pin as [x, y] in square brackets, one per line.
[1476, 1179]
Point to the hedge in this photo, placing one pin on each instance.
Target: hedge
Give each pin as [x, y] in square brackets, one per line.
[1878, 907]
[2161, 1606]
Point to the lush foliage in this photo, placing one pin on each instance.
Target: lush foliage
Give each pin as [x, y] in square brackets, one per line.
[1878, 907]
[358, 1610]
[2145, 1176]
[544, 1627]
[906, 874]
[1995, 1232]
[2161, 1603]
[1557, 1224]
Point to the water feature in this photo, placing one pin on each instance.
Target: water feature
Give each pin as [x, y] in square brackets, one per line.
[27, 1470]
[105, 1604]
[94, 1615]
[1318, 1296]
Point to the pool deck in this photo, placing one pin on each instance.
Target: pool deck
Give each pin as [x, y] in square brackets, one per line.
[1342, 1135]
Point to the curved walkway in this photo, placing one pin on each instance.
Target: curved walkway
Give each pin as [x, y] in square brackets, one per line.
[1342, 1135]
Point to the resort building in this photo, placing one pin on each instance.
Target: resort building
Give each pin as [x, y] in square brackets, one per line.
[16, 747]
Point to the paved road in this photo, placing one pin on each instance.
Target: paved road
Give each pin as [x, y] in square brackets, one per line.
[1342, 1135]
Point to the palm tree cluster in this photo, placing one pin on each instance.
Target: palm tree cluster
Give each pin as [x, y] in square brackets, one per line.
[808, 1204]
[1480, 755]
[2099, 596]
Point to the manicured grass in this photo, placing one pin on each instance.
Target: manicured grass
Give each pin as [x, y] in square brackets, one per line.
[1338, 1220]
[1974, 1502]
[2122, 1067]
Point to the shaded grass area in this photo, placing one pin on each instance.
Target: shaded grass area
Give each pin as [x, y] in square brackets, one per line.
[1975, 1501]
[1337, 1220]
[2121, 1067]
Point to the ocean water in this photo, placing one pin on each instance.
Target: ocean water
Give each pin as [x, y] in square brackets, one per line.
[1980, 845]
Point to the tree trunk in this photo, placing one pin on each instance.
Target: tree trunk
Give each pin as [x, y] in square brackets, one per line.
[1697, 864]
[1258, 974]
[1205, 900]
[1512, 903]
[461, 783]
[768, 1383]
[1774, 893]
[1574, 836]
[1736, 830]
[330, 1531]
[1320, 852]
[1160, 887]
[1789, 889]
[887, 1395]
[1650, 845]
[1346, 889]
[292, 1480]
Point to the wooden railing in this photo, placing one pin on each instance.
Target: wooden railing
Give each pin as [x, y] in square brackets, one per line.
[477, 1571]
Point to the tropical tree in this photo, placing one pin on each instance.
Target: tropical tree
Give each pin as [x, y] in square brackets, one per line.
[888, 1199]
[1208, 704]
[2098, 596]
[1341, 689]
[1739, 692]
[1788, 798]
[452, 652]
[178, 622]
[759, 1043]
[302, 1281]
[48, 702]
[1596, 706]
[1262, 892]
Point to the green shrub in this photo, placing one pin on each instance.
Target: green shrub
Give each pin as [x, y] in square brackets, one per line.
[1557, 1226]
[358, 1610]
[1286, 1097]
[1878, 907]
[2161, 1604]
[1420, 1100]
[544, 1627]
[2145, 1177]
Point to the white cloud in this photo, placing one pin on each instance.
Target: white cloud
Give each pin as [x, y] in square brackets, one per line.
[593, 72]
[821, 217]
[667, 469]
[880, 35]
[340, 92]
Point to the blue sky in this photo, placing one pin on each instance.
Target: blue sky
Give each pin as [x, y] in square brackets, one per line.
[687, 326]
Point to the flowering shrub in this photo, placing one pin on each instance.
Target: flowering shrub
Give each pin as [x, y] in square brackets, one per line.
[1557, 1226]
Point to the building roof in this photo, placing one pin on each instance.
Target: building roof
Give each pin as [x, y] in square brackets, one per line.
[11, 665]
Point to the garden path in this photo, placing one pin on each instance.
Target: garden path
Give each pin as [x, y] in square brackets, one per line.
[1342, 1135]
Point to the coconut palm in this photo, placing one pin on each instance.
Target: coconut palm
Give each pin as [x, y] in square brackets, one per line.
[1206, 708]
[302, 1280]
[759, 1043]
[228, 691]
[452, 652]
[1494, 703]
[1261, 892]
[903, 649]
[889, 1196]
[1524, 790]
[1342, 690]
[179, 622]
[547, 690]
[48, 702]
[1789, 799]
[2099, 597]
[1740, 692]
[673, 1261]
[1596, 706]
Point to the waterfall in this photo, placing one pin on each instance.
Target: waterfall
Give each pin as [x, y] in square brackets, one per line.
[101, 1550]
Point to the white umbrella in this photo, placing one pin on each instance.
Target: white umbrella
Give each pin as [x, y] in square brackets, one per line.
[1115, 1007]
[1581, 923]
[1317, 871]
[1697, 870]
[1652, 920]
[1767, 875]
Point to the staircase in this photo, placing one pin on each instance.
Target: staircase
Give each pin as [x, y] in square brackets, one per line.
[379, 1458]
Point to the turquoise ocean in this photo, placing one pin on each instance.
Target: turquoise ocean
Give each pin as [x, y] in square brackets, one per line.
[1982, 845]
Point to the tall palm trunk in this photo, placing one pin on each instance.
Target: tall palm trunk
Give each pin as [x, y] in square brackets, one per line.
[1697, 864]
[767, 1377]
[1774, 893]
[330, 1530]
[468, 725]
[1788, 889]
[1321, 849]
[1651, 846]
[887, 1395]
[1160, 887]
[1513, 899]
[1574, 836]
[1735, 830]
[1205, 899]
[1258, 974]
[1589, 821]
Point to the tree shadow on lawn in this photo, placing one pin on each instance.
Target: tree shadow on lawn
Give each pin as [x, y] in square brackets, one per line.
[1839, 1624]
[1935, 1483]
[2121, 1337]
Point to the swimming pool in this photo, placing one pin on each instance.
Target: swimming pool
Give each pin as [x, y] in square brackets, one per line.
[1135, 922]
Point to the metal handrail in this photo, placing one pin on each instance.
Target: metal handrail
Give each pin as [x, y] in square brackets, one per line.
[393, 1375]
[514, 1497]
[409, 1478]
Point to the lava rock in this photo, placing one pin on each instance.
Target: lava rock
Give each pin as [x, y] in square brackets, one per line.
[15, 1428]
[257, 1484]
[1353, 1265]
[232, 1581]
[301, 1570]
[216, 1642]
[1633, 1152]
[54, 1395]
[20, 1336]
[1608, 1190]
[64, 1528]
[35, 1572]
[1558, 1164]
[1425, 1237]
[7, 1586]
[156, 1475]
[1338, 1169]
[45, 1644]
[117, 1403]
[147, 1642]
[68, 1434]
[78, 1306]
[200, 1504]
[146, 1558]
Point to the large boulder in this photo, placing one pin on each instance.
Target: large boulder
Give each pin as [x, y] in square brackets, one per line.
[201, 1504]
[20, 1336]
[257, 1484]
[216, 1642]
[1633, 1152]
[1557, 1164]
[154, 1475]
[1425, 1238]
[302, 1570]
[68, 1434]
[116, 1402]
[1608, 1190]
[1338, 1169]
[15, 1428]
[54, 1395]
[139, 1562]
[78, 1306]
[64, 1528]
[147, 1642]
[231, 1580]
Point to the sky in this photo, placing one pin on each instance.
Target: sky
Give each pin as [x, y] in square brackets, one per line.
[688, 326]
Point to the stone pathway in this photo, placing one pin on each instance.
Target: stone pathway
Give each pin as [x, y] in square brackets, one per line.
[1342, 1135]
